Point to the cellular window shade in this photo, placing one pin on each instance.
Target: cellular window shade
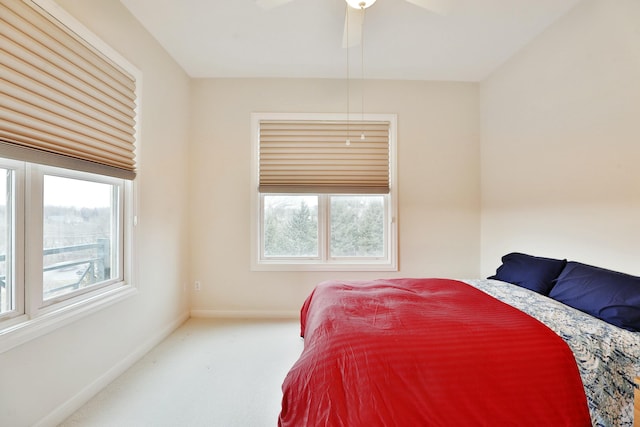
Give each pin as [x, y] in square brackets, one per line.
[314, 157]
[60, 96]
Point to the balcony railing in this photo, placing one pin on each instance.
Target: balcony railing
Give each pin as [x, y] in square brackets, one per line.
[93, 265]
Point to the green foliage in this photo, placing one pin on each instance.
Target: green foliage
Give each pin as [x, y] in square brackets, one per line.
[357, 227]
[301, 232]
[291, 231]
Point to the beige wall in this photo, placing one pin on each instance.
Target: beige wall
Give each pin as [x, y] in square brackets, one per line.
[552, 135]
[438, 161]
[561, 143]
[46, 377]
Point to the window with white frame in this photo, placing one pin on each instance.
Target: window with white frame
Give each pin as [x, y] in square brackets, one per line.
[323, 192]
[67, 166]
[62, 235]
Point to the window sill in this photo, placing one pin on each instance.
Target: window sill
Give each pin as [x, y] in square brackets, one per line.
[30, 329]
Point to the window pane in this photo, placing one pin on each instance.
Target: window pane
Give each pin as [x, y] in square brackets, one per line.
[357, 226]
[7, 291]
[79, 235]
[290, 226]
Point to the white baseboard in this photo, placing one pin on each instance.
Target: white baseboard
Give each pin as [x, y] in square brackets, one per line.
[245, 314]
[65, 410]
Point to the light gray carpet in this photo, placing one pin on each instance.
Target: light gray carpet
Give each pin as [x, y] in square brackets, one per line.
[209, 372]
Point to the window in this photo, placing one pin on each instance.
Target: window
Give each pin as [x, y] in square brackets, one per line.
[324, 192]
[68, 143]
[68, 237]
[80, 234]
[65, 240]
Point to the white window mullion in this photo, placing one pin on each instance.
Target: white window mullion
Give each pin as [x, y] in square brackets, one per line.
[18, 238]
[33, 239]
[117, 254]
[324, 231]
[12, 309]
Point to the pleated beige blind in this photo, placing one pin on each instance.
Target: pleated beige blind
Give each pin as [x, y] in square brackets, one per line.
[315, 157]
[60, 96]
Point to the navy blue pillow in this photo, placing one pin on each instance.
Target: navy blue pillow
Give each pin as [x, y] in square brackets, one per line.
[608, 295]
[528, 271]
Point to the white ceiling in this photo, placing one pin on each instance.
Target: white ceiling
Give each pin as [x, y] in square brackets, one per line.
[303, 38]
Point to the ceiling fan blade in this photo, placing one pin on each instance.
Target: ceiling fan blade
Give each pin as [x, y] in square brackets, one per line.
[270, 4]
[441, 7]
[353, 21]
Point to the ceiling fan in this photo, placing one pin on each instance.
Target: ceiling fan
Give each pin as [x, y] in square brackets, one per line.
[354, 19]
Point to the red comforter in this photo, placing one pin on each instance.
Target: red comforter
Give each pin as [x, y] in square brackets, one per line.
[427, 352]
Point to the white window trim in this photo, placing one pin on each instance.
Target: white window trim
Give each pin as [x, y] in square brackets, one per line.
[351, 264]
[23, 328]
[35, 318]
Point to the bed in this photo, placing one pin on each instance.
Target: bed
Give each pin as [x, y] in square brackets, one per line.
[507, 350]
